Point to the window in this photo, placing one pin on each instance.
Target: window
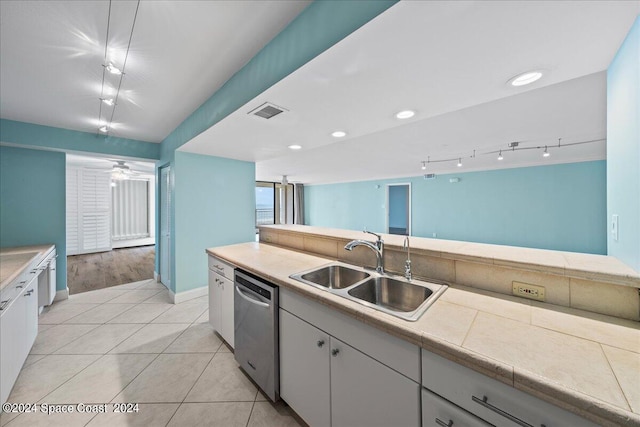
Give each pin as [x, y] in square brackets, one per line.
[274, 203]
[265, 202]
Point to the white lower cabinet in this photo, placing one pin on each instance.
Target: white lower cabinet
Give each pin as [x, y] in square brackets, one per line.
[18, 330]
[364, 392]
[221, 290]
[304, 369]
[329, 383]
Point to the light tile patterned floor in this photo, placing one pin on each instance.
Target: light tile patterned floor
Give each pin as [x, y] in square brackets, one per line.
[128, 343]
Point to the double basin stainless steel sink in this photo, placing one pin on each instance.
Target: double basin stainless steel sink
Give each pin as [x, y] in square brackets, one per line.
[397, 296]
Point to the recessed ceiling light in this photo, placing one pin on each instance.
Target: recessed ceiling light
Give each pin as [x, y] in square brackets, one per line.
[525, 78]
[338, 134]
[113, 69]
[295, 147]
[406, 114]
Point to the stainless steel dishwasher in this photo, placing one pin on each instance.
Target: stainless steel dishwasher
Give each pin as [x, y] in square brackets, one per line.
[256, 331]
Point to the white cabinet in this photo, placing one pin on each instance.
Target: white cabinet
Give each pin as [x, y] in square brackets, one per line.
[364, 392]
[221, 299]
[47, 279]
[489, 399]
[18, 329]
[304, 369]
[329, 383]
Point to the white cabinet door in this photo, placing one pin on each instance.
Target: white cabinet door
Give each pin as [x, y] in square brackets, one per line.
[12, 344]
[214, 300]
[226, 311]
[304, 369]
[365, 392]
[30, 317]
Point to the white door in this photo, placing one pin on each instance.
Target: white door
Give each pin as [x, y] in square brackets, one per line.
[364, 392]
[304, 369]
[165, 226]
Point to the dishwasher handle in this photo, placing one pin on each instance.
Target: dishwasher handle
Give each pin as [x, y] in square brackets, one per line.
[250, 299]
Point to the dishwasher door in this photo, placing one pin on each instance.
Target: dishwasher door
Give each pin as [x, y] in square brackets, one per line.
[256, 331]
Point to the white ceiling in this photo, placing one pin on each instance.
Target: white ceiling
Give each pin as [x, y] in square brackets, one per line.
[448, 61]
[181, 53]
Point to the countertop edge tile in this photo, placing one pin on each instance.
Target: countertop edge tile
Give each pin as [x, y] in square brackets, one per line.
[584, 405]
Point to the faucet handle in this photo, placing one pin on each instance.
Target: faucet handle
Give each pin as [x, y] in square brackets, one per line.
[371, 232]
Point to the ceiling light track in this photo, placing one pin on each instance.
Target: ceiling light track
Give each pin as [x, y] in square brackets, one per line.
[512, 146]
[113, 102]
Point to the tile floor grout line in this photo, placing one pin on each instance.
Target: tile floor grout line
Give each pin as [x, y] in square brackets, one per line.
[251, 412]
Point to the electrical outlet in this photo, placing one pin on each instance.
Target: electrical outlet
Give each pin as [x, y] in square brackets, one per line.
[526, 290]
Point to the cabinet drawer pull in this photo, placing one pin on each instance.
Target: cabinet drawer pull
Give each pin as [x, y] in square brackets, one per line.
[484, 402]
[443, 424]
[335, 352]
[320, 343]
[3, 304]
[20, 286]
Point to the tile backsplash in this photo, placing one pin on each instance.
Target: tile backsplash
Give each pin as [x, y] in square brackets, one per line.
[562, 289]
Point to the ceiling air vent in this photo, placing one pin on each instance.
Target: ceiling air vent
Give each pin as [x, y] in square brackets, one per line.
[267, 110]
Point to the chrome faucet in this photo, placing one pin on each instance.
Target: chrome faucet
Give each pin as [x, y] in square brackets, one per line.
[407, 263]
[377, 247]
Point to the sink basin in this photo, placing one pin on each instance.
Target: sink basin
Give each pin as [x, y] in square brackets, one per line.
[333, 276]
[391, 294]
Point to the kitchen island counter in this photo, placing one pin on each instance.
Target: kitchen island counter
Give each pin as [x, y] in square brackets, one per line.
[584, 362]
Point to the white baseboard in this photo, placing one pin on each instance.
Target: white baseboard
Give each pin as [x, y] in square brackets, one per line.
[146, 241]
[61, 295]
[156, 277]
[190, 294]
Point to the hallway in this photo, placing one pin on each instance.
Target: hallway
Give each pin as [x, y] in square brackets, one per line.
[95, 271]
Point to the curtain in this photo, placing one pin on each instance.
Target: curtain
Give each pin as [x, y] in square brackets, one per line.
[130, 209]
[298, 205]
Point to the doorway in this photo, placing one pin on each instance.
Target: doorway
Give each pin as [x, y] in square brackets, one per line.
[399, 209]
[165, 225]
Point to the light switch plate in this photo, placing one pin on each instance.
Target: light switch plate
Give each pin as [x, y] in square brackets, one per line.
[614, 227]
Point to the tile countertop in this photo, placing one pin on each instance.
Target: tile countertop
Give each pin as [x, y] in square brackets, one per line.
[579, 265]
[14, 260]
[584, 362]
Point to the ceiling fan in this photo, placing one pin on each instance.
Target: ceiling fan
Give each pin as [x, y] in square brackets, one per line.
[121, 171]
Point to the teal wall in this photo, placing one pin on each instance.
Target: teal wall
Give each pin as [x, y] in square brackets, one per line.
[214, 206]
[32, 202]
[47, 137]
[561, 207]
[623, 148]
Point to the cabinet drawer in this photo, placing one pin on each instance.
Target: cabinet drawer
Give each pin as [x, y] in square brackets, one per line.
[393, 352]
[489, 399]
[221, 267]
[439, 412]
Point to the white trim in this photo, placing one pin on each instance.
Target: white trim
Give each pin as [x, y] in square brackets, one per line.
[156, 277]
[145, 241]
[190, 294]
[386, 216]
[61, 295]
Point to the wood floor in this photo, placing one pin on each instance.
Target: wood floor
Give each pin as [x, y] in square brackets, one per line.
[105, 269]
